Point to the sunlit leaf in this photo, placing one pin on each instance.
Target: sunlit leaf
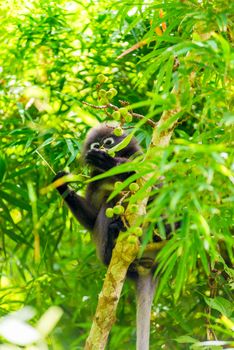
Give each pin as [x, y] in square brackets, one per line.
[49, 320]
[2, 168]
[221, 304]
[18, 332]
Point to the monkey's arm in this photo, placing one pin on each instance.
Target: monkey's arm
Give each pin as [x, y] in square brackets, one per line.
[82, 210]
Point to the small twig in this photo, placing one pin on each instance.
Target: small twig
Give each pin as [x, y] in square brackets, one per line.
[44, 160]
[149, 121]
[213, 287]
[123, 103]
[115, 108]
[94, 106]
[182, 121]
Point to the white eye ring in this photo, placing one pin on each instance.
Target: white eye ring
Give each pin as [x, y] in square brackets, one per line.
[109, 141]
[94, 145]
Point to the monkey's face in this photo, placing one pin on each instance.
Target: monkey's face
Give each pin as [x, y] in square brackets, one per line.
[99, 141]
[101, 138]
[105, 143]
[97, 151]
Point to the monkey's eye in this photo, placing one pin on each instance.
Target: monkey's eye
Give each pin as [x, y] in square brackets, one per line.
[95, 145]
[108, 142]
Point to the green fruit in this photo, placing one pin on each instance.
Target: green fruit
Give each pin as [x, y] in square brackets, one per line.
[109, 213]
[118, 209]
[123, 111]
[102, 78]
[113, 91]
[109, 95]
[117, 184]
[102, 93]
[116, 115]
[132, 208]
[128, 118]
[138, 231]
[118, 131]
[133, 187]
[103, 101]
[132, 239]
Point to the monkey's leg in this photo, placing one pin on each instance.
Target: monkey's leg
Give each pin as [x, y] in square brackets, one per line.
[145, 288]
[82, 210]
[114, 229]
[105, 233]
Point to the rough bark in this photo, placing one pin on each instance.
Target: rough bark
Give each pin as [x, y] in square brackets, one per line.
[122, 256]
[124, 252]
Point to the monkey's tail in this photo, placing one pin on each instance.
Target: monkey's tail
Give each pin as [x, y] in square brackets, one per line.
[145, 288]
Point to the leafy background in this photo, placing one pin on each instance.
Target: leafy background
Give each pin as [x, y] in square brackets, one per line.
[50, 56]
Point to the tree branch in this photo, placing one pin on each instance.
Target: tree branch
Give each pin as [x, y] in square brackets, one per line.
[115, 108]
[125, 252]
[123, 255]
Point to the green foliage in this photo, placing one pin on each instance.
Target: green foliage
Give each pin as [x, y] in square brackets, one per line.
[52, 57]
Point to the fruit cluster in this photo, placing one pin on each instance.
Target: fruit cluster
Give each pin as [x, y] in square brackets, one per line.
[119, 209]
[121, 115]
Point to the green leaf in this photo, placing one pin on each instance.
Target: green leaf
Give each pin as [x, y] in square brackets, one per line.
[185, 339]
[165, 277]
[3, 167]
[224, 306]
[201, 251]
[14, 201]
[121, 145]
[228, 118]
[225, 46]
[183, 267]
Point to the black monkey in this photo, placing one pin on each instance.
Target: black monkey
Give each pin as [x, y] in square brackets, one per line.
[90, 212]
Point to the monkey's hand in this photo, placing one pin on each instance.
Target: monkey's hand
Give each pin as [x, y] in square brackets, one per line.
[63, 187]
[101, 160]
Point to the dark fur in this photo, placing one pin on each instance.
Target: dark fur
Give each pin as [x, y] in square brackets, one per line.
[90, 211]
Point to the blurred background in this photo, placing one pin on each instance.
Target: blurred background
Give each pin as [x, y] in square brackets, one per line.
[51, 54]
